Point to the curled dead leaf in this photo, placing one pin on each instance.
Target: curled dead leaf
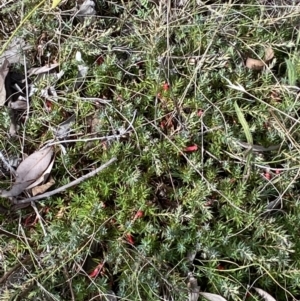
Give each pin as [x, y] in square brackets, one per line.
[269, 55]
[42, 188]
[254, 64]
[29, 171]
[257, 64]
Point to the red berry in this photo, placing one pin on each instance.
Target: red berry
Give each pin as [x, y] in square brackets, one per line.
[139, 214]
[129, 239]
[191, 148]
[166, 86]
[200, 113]
[96, 271]
[163, 124]
[49, 105]
[100, 60]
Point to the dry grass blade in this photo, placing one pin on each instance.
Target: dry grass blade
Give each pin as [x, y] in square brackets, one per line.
[244, 123]
[41, 70]
[55, 3]
[3, 72]
[29, 171]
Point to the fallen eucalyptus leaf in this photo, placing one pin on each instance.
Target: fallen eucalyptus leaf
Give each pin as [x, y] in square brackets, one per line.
[63, 129]
[42, 188]
[264, 294]
[3, 72]
[212, 297]
[44, 177]
[13, 52]
[31, 169]
[18, 105]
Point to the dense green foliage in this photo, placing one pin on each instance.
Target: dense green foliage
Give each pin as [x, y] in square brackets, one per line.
[175, 72]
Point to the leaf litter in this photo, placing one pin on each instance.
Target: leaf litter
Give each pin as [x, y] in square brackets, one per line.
[29, 171]
[14, 51]
[63, 130]
[42, 188]
[3, 73]
[33, 173]
[259, 64]
[264, 294]
[194, 291]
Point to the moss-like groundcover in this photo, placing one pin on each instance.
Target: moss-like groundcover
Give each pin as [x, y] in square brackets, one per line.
[198, 101]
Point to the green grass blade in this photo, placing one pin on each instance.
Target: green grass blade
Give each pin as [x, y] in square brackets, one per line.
[244, 123]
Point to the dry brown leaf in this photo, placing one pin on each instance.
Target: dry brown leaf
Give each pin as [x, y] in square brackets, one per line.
[31, 169]
[42, 188]
[3, 72]
[254, 64]
[269, 54]
[62, 211]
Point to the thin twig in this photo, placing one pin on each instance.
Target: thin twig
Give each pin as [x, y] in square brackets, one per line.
[69, 281]
[73, 183]
[14, 268]
[40, 221]
[27, 104]
[111, 137]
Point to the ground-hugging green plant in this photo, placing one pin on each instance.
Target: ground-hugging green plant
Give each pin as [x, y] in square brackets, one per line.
[183, 182]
